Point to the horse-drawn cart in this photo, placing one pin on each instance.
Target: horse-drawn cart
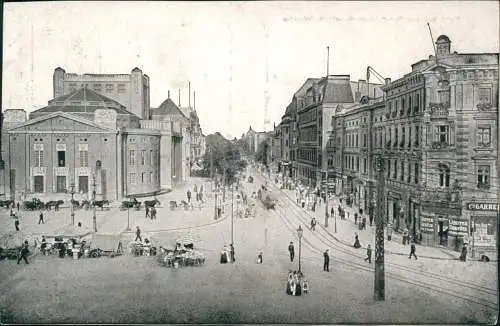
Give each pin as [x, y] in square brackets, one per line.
[106, 245]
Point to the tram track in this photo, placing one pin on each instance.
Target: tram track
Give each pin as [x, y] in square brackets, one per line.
[486, 297]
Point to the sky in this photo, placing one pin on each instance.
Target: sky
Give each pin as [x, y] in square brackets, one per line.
[244, 60]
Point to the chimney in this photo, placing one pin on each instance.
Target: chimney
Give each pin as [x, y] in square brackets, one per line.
[387, 81]
[179, 97]
[169, 94]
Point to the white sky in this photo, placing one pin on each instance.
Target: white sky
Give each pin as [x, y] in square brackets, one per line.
[235, 54]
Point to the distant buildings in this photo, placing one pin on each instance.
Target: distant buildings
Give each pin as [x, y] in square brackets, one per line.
[436, 128]
[99, 135]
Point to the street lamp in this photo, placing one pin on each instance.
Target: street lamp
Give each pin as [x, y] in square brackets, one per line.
[94, 219]
[128, 216]
[300, 233]
[72, 199]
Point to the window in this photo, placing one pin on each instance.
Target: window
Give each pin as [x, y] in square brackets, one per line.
[484, 95]
[356, 140]
[84, 158]
[365, 166]
[388, 169]
[132, 178]
[396, 136]
[121, 88]
[409, 104]
[364, 140]
[143, 157]
[444, 97]
[442, 134]
[131, 157]
[151, 155]
[483, 176]
[417, 136]
[39, 158]
[97, 88]
[417, 104]
[403, 103]
[61, 158]
[109, 88]
[416, 173]
[409, 136]
[402, 175]
[357, 163]
[143, 177]
[408, 180]
[395, 176]
[484, 136]
[444, 175]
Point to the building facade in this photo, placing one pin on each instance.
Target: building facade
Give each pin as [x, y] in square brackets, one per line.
[435, 128]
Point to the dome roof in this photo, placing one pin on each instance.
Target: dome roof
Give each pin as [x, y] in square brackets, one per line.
[443, 39]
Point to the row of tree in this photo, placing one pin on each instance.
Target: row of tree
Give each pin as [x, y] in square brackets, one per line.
[222, 159]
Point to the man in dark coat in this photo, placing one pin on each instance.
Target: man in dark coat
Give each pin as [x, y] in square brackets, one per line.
[326, 261]
[188, 194]
[369, 254]
[138, 234]
[23, 253]
[412, 251]
[40, 219]
[16, 224]
[231, 252]
[291, 250]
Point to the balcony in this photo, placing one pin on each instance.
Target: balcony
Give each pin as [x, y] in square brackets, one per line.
[439, 145]
[484, 106]
[439, 110]
[483, 185]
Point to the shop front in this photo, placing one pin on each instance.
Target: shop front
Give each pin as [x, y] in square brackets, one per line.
[442, 225]
[483, 227]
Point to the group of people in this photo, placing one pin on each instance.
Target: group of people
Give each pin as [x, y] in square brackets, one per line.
[227, 254]
[296, 284]
[198, 192]
[151, 212]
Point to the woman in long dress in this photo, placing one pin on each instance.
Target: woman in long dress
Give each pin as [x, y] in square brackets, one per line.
[223, 256]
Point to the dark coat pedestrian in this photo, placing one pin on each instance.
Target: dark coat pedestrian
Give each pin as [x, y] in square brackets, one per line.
[188, 194]
[326, 261]
[332, 212]
[356, 242]
[231, 252]
[291, 250]
[18, 206]
[259, 258]
[369, 254]
[23, 253]
[43, 246]
[364, 222]
[355, 218]
[16, 224]
[147, 211]
[412, 251]
[138, 234]
[40, 219]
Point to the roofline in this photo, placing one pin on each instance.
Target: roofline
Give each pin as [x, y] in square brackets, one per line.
[60, 113]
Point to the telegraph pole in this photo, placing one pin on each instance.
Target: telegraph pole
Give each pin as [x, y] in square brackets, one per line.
[94, 218]
[379, 289]
[326, 199]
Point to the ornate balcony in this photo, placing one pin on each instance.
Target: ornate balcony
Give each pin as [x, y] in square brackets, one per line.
[439, 110]
[484, 106]
[439, 145]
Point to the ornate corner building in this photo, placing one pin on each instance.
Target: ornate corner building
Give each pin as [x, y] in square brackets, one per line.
[437, 130]
[99, 134]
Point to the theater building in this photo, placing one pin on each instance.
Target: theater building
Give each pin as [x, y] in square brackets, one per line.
[90, 142]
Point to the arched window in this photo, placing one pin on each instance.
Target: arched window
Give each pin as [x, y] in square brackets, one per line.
[444, 175]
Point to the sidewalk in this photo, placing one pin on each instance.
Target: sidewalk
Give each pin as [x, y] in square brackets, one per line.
[346, 230]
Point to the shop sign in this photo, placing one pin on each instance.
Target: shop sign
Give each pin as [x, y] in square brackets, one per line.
[491, 207]
[484, 231]
[427, 225]
[459, 228]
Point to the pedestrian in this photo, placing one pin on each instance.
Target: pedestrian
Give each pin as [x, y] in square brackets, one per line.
[369, 254]
[138, 234]
[40, 219]
[291, 250]
[412, 251]
[147, 212]
[355, 218]
[188, 194]
[231, 252]
[326, 261]
[463, 255]
[18, 206]
[332, 212]
[364, 222]
[23, 253]
[356, 241]
[259, 258]
[43, 246]
[16, 224]
[313, 224]
[371, 219]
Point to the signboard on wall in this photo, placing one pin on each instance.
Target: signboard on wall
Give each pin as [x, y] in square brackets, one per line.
[458, 228]
[484, 231]
[490, 207]
[427, 225]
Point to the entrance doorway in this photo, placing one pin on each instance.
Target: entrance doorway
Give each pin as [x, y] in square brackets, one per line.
[38, 182]
[61, 184]
[83, 184]
[443, 226]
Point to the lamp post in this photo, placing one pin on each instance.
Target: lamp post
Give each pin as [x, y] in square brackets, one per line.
[72, 199]
[300, 233]
[94, 219]
[232, 215]
[128, 217]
